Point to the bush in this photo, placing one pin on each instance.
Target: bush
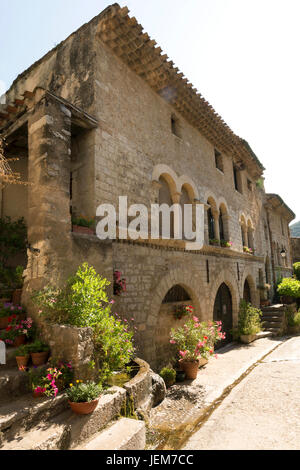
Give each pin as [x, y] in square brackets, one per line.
[249, 322]
[293, 319]
[83, 393]
[83, 302]
[296, 267]
[289, 287]
[169, 376]
[37, 347]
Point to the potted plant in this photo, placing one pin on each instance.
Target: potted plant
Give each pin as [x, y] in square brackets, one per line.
[182, 311]
[226, 244]
[22, 356]
[17, 331]
[214, 242]
[83, 225]
[249, 322]
[119, 283]
[44, 382]
[84, 397]
[248, 250]
[169, 376]
[289, 290]
[39, 352]
[195, 340]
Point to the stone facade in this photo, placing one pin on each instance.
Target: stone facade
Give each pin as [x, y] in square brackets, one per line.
[89, 114]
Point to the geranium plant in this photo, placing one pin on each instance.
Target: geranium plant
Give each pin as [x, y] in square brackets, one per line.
[16, 328]
[182, 311]
[226, 244]
[248, 250]
[119, 283]
[8, 309]
[196, 339]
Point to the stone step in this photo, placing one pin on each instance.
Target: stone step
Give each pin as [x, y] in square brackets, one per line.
[274, 313]
[264, 334]
[272, 324]
[125, 434]
[62, 431]
[13, 383]
[24, 413]
[272, 318]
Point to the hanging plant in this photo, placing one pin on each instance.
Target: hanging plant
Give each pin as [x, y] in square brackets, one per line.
[7, 176]
[119, 283]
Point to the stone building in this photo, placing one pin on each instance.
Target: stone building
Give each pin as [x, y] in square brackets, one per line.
[106, 114]
[296, 249]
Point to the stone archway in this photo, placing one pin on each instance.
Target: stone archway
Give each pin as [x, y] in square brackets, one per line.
[161, 319]
[228, 278]
[223, 312]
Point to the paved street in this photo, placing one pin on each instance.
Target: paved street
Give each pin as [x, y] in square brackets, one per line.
[262, 411]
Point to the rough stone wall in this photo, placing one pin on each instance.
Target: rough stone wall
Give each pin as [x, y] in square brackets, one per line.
[150, 274]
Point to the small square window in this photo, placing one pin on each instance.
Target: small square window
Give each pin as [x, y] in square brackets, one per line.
[219, 160]
[175, 127]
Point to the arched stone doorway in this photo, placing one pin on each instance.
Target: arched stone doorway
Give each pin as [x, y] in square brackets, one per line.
[176, 298]
[247, 292]
[223, 313]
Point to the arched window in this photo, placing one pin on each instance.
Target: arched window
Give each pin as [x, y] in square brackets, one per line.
[165, 198]
[211, 224]
[176, 294]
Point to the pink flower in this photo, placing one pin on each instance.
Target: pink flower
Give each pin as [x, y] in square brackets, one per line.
[183, 353]
[172, 341]
[196, 320]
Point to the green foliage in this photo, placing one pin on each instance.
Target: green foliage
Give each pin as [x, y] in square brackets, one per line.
[292, 318]
[37, 347]
[13, 236]
[22, 351]
[169, 375]
[249, 322]
[84, 393]
[289, 287]
[83, 302]
[83, 221]
[296, 267]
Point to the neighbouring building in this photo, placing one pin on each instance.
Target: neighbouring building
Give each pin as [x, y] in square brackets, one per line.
[106, 114]
[296, 249]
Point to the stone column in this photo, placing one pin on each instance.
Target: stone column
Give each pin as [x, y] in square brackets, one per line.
[226, 219]
[49, 220]
[206, 232]
[216, 215]
[177, 214]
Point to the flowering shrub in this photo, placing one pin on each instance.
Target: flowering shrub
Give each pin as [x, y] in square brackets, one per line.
[83, 302]
[249, 322]
[182, 311]
[248, 250]
[7, 309]
[196, 339]
[50, 381]
[16, 328]
[119, 283]
[289, 287]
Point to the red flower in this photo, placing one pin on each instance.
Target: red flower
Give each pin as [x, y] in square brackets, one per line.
[8, 328]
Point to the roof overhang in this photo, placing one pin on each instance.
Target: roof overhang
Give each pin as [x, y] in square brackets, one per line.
[275, 202]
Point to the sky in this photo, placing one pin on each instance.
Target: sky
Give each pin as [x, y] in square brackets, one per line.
[242, 55]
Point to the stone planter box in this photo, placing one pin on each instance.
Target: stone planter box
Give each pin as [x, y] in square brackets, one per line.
[247, 339]
[140, 387]
[84, 230]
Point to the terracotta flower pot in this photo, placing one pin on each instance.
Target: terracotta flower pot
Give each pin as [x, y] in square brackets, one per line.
[22, 361]
[4, 323]
[84, 230]
[84, 408]
[38, 394]
[190, 368]
[38, 359]
[19, 340]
